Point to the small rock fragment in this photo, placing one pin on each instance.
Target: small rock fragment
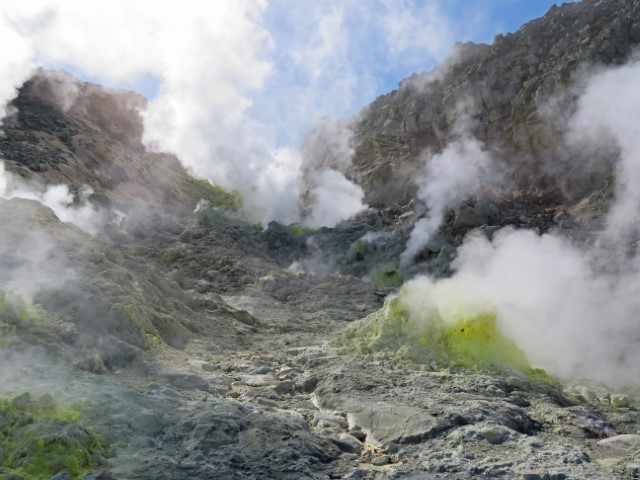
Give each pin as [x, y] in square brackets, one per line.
[64, 475]
[627, 443]
[307, 384]
[258, 380]
[358, 433]
[347, 443]
[171, 392]
[544, 476]
[186, 381]
[381, 460]
[266, 402]
[98, 475]
[285, 387]
[201, 364]
[356, 473]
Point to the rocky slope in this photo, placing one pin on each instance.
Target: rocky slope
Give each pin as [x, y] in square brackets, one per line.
[79, 134]
[505, 90]
[184, 342]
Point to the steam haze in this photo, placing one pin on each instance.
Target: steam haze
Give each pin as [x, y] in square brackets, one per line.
[58, 198]
[608, 109]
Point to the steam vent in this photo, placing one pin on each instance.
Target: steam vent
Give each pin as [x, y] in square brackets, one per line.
[244, 240]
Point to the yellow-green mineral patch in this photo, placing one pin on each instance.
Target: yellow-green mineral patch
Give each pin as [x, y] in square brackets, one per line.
[39, 438]
[19, 317]
[16, 309]
[411, 327]
[387, 277]
[217, 196]
[298, 229]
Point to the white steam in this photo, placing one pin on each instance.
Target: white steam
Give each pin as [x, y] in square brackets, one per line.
[608, 109]
[16, 61]
[568, 317]
[58, 198]
[335, 198]
[547, 298]
[460, 171]
[36, 263]
[326, 161]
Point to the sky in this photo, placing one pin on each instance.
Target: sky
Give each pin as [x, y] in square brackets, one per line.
[381, 42]
[462, 20]
[390, 40]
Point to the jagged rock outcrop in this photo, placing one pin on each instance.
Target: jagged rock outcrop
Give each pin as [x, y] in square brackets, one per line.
[505, 90]
[65, 131]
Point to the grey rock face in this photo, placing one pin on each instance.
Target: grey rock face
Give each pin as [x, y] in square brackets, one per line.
[386, 423]
[233, 439]
[503, 87]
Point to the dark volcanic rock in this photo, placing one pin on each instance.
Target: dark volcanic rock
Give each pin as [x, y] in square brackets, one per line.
[229, 440]
[72, 132]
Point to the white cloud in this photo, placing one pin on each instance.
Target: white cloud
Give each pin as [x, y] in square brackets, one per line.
[16, 63]
[416, 30]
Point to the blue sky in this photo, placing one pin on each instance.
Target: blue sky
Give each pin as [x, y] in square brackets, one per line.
[471, 20]
[374, 60]
[333, 57]
[484, 19]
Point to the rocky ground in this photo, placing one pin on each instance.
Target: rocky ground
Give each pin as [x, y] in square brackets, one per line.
[228, 367]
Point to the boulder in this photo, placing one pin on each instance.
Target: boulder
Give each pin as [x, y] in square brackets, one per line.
[437, 242]
[385, 423]
[627, 443]
[620, 401]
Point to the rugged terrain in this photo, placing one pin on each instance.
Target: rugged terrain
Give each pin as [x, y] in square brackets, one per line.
[179, 340]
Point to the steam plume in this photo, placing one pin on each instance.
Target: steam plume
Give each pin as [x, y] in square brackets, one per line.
[574, 310]
[57, 197]
[462, 169]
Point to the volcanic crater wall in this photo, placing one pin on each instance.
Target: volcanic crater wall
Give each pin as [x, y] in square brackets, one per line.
[514, 95]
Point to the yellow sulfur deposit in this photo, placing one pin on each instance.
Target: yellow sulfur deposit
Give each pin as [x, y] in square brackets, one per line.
[476, 341]
[416, 326]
